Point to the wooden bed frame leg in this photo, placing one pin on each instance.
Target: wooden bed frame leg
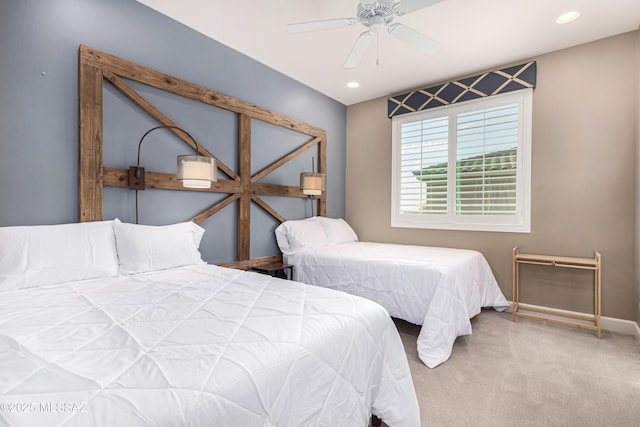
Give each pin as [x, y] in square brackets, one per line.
[375, 421]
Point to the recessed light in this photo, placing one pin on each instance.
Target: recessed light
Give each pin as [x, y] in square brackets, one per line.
[353, 85]
[568, 17]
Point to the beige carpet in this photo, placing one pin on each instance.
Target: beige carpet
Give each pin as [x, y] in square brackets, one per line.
[529, 373]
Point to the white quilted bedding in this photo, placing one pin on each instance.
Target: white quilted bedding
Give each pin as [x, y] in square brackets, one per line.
[438, 288]
[200, 345]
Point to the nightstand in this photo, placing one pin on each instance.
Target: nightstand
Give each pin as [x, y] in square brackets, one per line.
[275, 270]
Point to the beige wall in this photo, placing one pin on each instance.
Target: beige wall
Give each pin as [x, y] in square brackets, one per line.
[585, 114]
[638, 184]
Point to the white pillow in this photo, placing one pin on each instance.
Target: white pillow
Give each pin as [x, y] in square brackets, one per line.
[299, 234]
[149, 248]
[338, 230]
[41, 255]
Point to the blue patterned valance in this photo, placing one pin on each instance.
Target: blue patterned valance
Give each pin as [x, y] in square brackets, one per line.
[492, 83]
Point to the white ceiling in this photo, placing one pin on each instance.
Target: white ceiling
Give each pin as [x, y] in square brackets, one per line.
[475, 34]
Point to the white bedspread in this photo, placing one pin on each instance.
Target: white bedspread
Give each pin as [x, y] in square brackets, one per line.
[200, 345]
[438, 288]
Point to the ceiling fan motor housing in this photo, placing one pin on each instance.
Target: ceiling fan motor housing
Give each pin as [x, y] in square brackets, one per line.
[375, 15]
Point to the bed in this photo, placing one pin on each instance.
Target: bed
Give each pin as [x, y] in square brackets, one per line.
[106, 323]
[438, 288]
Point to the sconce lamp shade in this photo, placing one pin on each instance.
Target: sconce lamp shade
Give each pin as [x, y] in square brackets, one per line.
[312, 184]
[196, 171]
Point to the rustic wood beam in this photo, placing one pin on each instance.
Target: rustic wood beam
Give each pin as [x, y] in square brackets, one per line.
[275, 165]
[244, 170]
[322, 168]
[90, 162]
[254, 262]
[116, 177]
[264, 205]
[276, 190]
[164, 120]
[200, 218]
[153, 78]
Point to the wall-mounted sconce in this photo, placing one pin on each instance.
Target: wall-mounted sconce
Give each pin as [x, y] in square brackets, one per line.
[193, 171]
[312, 183]
[196, 171]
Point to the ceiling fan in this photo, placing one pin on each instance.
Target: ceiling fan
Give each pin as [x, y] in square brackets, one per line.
[376, 16]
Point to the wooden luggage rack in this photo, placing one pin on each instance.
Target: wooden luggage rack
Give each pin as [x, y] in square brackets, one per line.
[592, 321]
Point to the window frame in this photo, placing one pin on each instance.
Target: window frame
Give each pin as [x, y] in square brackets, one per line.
[518, 223]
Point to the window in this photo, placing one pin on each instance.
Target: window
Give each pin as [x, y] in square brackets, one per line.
[464, 166]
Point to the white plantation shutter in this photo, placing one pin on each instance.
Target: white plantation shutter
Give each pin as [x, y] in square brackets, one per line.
[464, 166]
[424, 165]
[486, 161]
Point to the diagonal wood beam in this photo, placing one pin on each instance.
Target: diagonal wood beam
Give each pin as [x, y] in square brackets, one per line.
[198, 219]
[275, 165]
[149, 108]
[264, 205]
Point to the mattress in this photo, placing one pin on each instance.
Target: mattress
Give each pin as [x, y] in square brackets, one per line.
[199, 345]
[438, 288]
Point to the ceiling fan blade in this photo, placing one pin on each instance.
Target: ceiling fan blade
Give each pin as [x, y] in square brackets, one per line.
[358, 49]
[414, 38]
[320, 25]
[404, 7]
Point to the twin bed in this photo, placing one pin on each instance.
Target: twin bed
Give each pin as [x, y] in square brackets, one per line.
[438, 288]
[105, 323]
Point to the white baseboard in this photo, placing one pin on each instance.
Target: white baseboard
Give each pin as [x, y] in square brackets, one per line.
[612, 324]
[620, 325]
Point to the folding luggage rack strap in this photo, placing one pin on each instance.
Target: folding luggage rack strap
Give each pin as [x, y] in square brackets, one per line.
[591, 322]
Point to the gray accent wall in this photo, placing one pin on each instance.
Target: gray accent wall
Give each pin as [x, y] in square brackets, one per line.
[39, 42]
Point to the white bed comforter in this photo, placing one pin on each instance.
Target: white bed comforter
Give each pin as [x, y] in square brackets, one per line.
[200, 345]
[438, 288]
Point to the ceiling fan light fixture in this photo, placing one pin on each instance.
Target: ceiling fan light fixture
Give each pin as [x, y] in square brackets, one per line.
[567, 17]
[375, 23]
[376, 15]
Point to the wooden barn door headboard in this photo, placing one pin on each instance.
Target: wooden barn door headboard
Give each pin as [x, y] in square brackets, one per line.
[96, 67]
